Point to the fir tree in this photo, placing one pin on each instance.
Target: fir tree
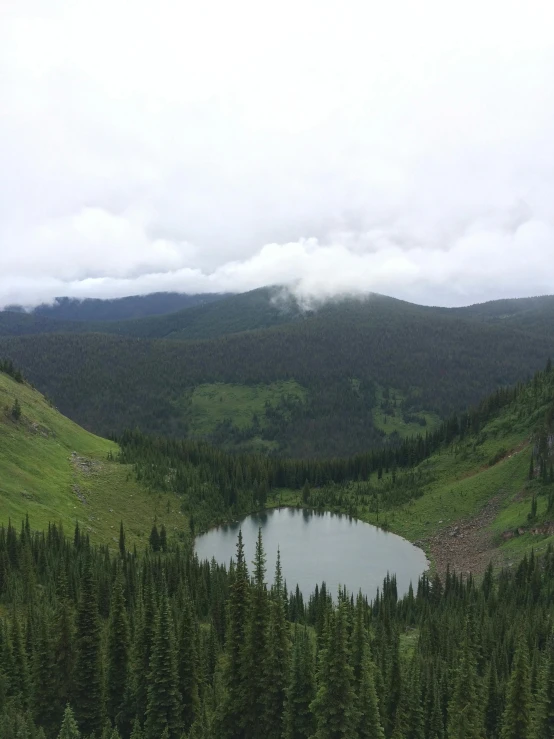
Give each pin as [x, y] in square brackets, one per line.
[334, 706]
[69, 729]
[87, 690]
[163, 708]
[298, 718]
[117, 671]
[64, 650]
[187, 667]
[16, 410]
[543, 719]
[493, 706]
[122, 547]
[137, 732]
[516, 721]
[20, 677]
[142, 650]
[255, 650]
[44, 669]
[464, 710]
[369, 719]
[154, 539]
[230, 715]
[163, 539]
[277, 658]
[436, 719]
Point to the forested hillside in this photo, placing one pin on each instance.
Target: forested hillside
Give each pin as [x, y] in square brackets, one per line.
[136, 639]
[192, 317]
[359, 372]
[118, 309]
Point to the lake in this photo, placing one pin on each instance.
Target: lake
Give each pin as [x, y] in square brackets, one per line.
[320, 546]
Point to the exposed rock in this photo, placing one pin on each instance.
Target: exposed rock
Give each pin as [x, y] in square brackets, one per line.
[79, 494]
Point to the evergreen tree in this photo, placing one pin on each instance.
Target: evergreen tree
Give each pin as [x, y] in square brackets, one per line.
[122, 547]
[163, 708]
[16, 410]
[137, 732]
[436, 719]
[44, 670]
[369, 719]
[298, 718]
[465, 720]
[277, 658]
[255, 650]
[117, 671]
[64, 651]
[187, 666]
[69, 728]
[516, 721]
[335, 703]
[493, 706]
[87, 687]
[154, 539]
[230, 714]
[142, 649]
[543, 719]
[20, 677]
[163, 539]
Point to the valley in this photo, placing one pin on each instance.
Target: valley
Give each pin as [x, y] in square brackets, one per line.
[255, 432]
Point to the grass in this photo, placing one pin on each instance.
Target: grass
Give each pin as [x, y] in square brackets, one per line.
[40, 476]
[388, 417]
[457, 483]
[214, 403]
[55, 471]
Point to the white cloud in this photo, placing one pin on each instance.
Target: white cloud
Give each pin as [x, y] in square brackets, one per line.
[404, 148]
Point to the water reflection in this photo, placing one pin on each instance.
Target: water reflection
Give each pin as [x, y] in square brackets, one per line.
[317, 546]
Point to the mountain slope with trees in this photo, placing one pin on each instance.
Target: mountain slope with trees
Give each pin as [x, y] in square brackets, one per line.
[345, 361]
[121, 643]
[118, 309]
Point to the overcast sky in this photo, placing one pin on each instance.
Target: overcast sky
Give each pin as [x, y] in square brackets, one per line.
[342, 146]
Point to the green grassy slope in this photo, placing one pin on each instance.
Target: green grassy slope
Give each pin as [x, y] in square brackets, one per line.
[471, 501]
[56, 471]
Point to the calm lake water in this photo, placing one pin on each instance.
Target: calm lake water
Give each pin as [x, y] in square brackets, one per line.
[320, 546]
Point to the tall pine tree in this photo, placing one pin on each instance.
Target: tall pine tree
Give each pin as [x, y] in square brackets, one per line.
[163, 711]
[87, 692]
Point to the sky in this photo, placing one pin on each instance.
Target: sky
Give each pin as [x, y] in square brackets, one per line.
[335, 146]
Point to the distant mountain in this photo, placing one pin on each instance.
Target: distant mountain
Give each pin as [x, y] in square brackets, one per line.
[214, 315]
[267, 375]
[203, 318]
[119, 309]
[508, 308]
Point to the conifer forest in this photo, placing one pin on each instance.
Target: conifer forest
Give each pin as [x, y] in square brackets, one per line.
[115, 641]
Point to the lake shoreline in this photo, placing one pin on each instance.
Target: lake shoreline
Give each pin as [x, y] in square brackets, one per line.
[319, 545]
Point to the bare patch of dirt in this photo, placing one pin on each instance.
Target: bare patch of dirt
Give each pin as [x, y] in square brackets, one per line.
[37, 428]
[84, 465]
[467, 546]
[79, 493]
